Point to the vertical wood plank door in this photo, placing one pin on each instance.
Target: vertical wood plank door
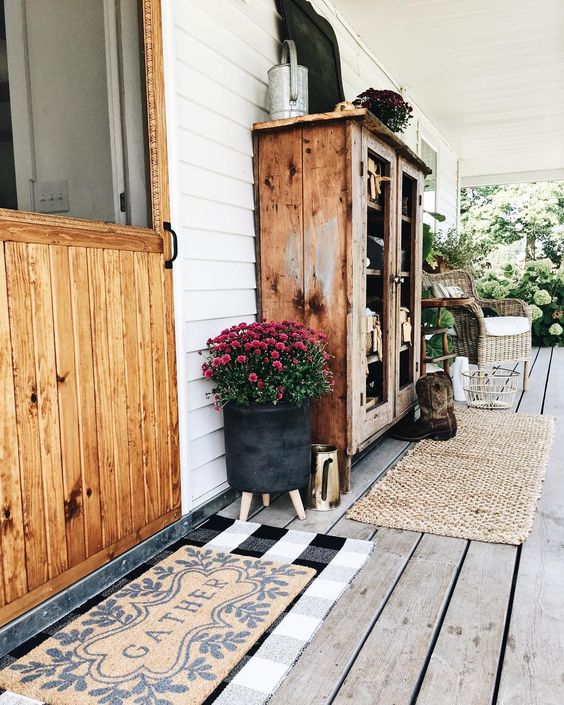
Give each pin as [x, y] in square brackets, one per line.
[88, 426]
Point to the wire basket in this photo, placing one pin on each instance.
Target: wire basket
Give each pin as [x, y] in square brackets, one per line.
[490, 389]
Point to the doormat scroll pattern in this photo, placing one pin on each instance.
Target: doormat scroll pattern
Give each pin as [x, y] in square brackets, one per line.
[257, 674]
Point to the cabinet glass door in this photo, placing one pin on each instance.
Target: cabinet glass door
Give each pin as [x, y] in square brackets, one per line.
[379, 208]
[408, 297]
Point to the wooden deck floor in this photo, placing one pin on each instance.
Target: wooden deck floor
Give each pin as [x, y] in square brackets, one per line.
[441, 621]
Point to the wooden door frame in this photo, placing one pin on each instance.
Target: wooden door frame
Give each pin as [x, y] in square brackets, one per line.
[44, 228]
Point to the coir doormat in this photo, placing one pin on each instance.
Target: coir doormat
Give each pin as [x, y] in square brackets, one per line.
[166, 635]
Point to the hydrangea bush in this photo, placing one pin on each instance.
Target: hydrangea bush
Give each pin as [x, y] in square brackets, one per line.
[388, 106]
[541, 285]
[267, 363]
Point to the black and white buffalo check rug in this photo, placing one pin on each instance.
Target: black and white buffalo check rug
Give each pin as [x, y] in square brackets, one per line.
[336, 561]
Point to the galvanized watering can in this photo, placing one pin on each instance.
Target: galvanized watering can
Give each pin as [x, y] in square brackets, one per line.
[287, 85]
[323, 490]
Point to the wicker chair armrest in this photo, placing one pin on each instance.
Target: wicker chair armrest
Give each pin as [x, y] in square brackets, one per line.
[475, 309]
[507, 307]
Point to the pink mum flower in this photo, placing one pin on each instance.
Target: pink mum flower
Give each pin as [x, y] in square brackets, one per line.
[277, 365]
[241, 358]
[252, 377]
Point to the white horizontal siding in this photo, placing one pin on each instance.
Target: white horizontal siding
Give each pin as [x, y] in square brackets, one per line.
[216, 70]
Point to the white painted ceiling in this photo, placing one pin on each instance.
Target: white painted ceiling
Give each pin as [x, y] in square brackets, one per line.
[488, 73]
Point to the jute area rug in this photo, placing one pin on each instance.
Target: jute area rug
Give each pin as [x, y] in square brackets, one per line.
[217, 663]
[483, 484]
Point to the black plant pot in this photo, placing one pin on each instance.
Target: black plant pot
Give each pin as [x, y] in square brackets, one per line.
[267, 447]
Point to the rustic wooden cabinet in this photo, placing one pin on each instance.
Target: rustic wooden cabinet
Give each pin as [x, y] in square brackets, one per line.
[339, 224]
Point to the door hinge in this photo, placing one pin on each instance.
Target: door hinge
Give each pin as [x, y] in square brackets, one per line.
[362, 168]
[420, 199]
[122, 202]
[361, 399]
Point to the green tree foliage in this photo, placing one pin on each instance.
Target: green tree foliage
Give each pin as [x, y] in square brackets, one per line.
[494, 215]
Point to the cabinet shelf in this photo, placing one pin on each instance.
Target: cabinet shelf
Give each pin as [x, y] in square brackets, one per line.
[405, 347]
[374, 272]
[373, 358]
[405, 274]
[374, 206]
[372, 402]
[406, 219]
[440, 358]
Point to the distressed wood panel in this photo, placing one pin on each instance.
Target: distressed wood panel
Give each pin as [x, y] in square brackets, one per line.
[147, 392]
[103, 393]
[48, 416]
[86, 399]
[133, 390]
[68, 405]
[91, 369]
[116, 359]
[280, 226]
[14, 580]
[25, 383]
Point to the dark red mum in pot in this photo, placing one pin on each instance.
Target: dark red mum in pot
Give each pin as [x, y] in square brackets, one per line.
[267, 362]
[388, 106]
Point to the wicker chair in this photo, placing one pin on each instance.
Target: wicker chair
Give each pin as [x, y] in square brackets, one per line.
[472, 339]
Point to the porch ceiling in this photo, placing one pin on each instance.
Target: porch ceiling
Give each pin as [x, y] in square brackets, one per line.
[489, 74]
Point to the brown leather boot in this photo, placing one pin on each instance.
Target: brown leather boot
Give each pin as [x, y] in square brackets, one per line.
[437, 420]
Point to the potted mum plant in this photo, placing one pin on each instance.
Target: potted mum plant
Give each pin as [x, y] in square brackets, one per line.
[388, 106]
[264, 376]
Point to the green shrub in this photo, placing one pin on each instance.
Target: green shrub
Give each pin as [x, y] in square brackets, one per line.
[541, 285]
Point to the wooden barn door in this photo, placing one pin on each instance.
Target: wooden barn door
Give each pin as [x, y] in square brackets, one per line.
[88, 424]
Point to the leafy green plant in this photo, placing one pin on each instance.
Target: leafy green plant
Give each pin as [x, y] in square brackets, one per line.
[459, 250]
[541, 285]
[429, 254]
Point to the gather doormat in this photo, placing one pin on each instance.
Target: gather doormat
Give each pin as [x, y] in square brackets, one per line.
[116, 649]
[483, 484]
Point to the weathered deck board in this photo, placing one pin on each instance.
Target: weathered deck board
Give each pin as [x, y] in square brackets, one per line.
[464, 664]
[388, 668]
[533, 667]
[325, 662]
[463, 667]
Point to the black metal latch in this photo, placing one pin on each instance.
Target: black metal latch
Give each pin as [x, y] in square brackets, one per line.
[168, 228]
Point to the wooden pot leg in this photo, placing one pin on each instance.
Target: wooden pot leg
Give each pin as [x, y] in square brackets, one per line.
[297, 502]
[266, 500]
[526, 376]
[246, 499]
